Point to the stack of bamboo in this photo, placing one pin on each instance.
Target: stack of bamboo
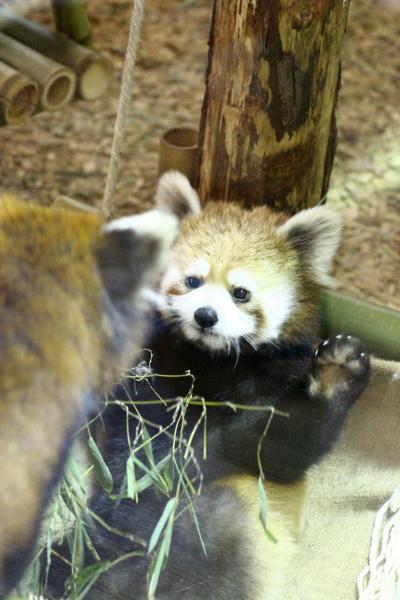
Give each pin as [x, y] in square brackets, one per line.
[44, 70]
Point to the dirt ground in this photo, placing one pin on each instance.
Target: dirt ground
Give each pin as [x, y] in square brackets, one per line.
[67, 153]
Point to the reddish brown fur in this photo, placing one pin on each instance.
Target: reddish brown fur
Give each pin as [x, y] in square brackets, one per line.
[56, 349]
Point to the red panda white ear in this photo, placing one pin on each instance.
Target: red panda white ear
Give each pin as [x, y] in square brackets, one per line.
[134, 251]
[175, 194]
[315, 234]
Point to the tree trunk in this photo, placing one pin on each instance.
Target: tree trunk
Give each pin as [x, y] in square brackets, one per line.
[267, 132]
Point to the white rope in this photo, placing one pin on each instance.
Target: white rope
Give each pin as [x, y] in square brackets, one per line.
[380, 580]
[123, 105]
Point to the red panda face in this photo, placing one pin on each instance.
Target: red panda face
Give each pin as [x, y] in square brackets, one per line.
[228, 288]
[245, 275]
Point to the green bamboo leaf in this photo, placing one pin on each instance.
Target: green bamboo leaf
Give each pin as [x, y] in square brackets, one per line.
[161, 557]
[103, 473]
[170, 508]
[168, 533]
[263, 502]
[78, 546]
[154, 474]
[146, 481]
[65, 495]
[137, 486]
[87, 576]
[147, 447]
[263, 509]
[72, 484]
[131, 487]
[168, 473]
[73, 472]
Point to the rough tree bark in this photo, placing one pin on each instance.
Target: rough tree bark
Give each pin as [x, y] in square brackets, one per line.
[268, 132]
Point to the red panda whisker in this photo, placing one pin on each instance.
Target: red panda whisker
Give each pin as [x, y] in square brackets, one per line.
[236, 346]
[248, 339]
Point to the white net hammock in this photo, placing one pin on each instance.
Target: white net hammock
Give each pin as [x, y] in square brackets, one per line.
[380, 580]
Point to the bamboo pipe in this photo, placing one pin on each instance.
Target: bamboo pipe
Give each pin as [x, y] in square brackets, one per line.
[57, 82]
[70, 17]
[19, 95]
[178, 151]
[94, 71]
[377, 326]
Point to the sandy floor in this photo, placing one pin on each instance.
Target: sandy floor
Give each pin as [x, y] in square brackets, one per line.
[67, 153]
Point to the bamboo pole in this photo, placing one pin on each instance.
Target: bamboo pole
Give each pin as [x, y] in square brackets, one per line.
[178, 151]
[267, 133]
[94, 71]
[377, 326]
[70, 18]
[57, 83]
[19, 96]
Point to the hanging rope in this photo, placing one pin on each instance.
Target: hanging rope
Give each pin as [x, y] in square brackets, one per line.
[123, 106]
[380, 580]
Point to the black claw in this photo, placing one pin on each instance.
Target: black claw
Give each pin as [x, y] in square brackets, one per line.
[348, 353]
[333, 346]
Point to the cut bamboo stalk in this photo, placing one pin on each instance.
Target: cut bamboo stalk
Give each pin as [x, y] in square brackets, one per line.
[70, 18]
[178, 151]
[94, 71]
[377, 326]
[56, 81]
[19, 96]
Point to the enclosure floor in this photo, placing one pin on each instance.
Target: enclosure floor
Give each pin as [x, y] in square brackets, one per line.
[67, 153]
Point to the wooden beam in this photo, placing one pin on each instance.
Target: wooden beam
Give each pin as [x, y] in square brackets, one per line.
[267, 132]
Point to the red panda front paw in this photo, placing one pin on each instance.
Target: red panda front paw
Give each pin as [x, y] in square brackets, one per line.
[341, 368]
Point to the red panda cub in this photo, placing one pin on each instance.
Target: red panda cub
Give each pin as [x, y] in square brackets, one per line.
[72, 298]
[239, 316]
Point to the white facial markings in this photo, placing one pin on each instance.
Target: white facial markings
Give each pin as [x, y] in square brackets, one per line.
[171, 276]
[241, 278]
[232, 322]
[277, 304]
[200, 268]
[272, 294]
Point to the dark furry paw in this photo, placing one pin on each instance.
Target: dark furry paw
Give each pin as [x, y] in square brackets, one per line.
[341, 368]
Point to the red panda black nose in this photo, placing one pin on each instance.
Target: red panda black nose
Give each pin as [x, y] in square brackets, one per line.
[205, 317]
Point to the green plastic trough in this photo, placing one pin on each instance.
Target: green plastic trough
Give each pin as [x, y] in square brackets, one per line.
[378, 327]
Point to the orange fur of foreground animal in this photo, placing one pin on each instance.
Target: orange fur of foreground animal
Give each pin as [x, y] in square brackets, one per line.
[72, 297]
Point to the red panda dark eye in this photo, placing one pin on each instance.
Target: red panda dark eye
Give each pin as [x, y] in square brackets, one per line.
[241, 294]
[193, 282]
